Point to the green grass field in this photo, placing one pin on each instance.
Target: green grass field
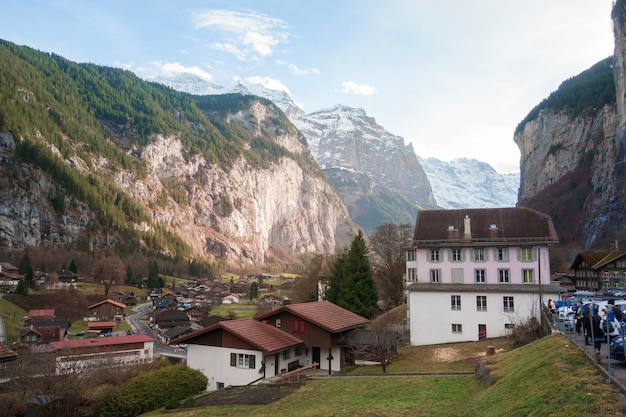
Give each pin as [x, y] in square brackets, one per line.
[549, 377]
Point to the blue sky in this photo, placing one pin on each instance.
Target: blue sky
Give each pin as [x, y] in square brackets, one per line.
[454, 78]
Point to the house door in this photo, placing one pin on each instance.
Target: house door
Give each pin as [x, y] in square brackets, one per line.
[276, 363]
[316, 355]
[482, 331]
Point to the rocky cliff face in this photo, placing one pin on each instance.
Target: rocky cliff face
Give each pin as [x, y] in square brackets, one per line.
[368, 165]
[243, 215]
[572, 166]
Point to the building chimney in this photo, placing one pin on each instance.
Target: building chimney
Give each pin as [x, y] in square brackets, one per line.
[493, 231]
[467, 228]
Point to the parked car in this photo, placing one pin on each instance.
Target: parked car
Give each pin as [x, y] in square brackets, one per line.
[569, 321]
[616, 349]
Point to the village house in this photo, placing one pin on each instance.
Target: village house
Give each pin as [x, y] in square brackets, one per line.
[599, 271]
[9, 277]
[78, 354]
[474, 274]
[238, 352]
[106, 310]
[165, 319]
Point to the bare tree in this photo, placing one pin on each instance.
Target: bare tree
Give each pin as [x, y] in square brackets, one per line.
[107, 271]
[306, 286]
[388, 248]
[377, 345]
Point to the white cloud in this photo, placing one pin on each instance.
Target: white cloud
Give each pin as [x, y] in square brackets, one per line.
[349, 87]
[248, 35]
[296, 70]
[177, 68]
[268, 82]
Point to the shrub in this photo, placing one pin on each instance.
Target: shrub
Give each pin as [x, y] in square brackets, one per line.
[152, 390]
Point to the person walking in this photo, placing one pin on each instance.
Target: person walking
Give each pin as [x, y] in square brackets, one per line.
[597, 334]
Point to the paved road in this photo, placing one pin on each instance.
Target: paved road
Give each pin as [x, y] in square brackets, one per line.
[613, 369]
[139, 326]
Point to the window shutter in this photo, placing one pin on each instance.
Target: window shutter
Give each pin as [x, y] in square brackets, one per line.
[252, 361]
[233, 359]
[534, 253]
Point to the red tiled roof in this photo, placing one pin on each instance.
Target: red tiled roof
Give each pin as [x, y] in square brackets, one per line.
[512, 224]
[262, 336]
[101, 324]
[41, 313]
[324, 314]
[109, 301]
[101, 341]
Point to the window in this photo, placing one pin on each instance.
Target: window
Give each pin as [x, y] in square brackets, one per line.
[457, 275]
[503, 254]
[504, 276]
[242, 360]
[457, 328]
[298, 326]
[277, 322]
[528, 276]
[509, 326]
[455, 302]
[479, 275]
[526, 254]
[434, 255]
[410, 255]
[479, 254]
[220, 385]
[481, 303]
[299, 350]
[435, 275]
[507, 304]
[411, 274]
[286, 354]
[456, 255]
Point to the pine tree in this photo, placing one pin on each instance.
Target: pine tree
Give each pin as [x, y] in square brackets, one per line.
[352, 282]
[73, 267]
[21, 288]
[26, 269]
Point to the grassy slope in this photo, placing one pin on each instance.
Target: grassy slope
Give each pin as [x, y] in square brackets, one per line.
[550, 377]
[13, 317]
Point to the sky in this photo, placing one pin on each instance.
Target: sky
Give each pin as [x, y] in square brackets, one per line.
[454, 78]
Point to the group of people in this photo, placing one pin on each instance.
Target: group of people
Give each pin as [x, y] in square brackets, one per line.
[596, 324]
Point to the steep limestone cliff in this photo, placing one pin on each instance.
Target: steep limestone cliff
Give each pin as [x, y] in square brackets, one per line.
[573, 162]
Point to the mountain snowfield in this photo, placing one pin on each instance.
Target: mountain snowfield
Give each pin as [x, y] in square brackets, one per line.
[461, 183]
[468, 183]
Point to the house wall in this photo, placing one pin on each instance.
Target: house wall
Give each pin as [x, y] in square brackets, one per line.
[422, 264]
[432, 316]
[214, 363]
[73, 360]
[312, 336]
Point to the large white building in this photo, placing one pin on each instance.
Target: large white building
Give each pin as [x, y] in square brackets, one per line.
[474, 274]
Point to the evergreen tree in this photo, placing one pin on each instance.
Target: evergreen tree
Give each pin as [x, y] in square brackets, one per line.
[129, 276]
[352, 282]
[73, 267]
[154, 279]
[254, 291]
[26, 269]
[21, 288]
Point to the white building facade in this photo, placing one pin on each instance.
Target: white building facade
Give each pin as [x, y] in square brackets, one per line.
[474, 274]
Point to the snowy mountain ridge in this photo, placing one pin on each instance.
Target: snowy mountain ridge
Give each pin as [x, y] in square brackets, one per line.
[468, 183]
[332, 133]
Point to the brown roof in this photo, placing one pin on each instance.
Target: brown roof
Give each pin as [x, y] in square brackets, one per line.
[324, 314]
[101, 341]
[596, 259]
[109, 301]
[511, 224]
[41, 313]
[264, 337]
[101, 324]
